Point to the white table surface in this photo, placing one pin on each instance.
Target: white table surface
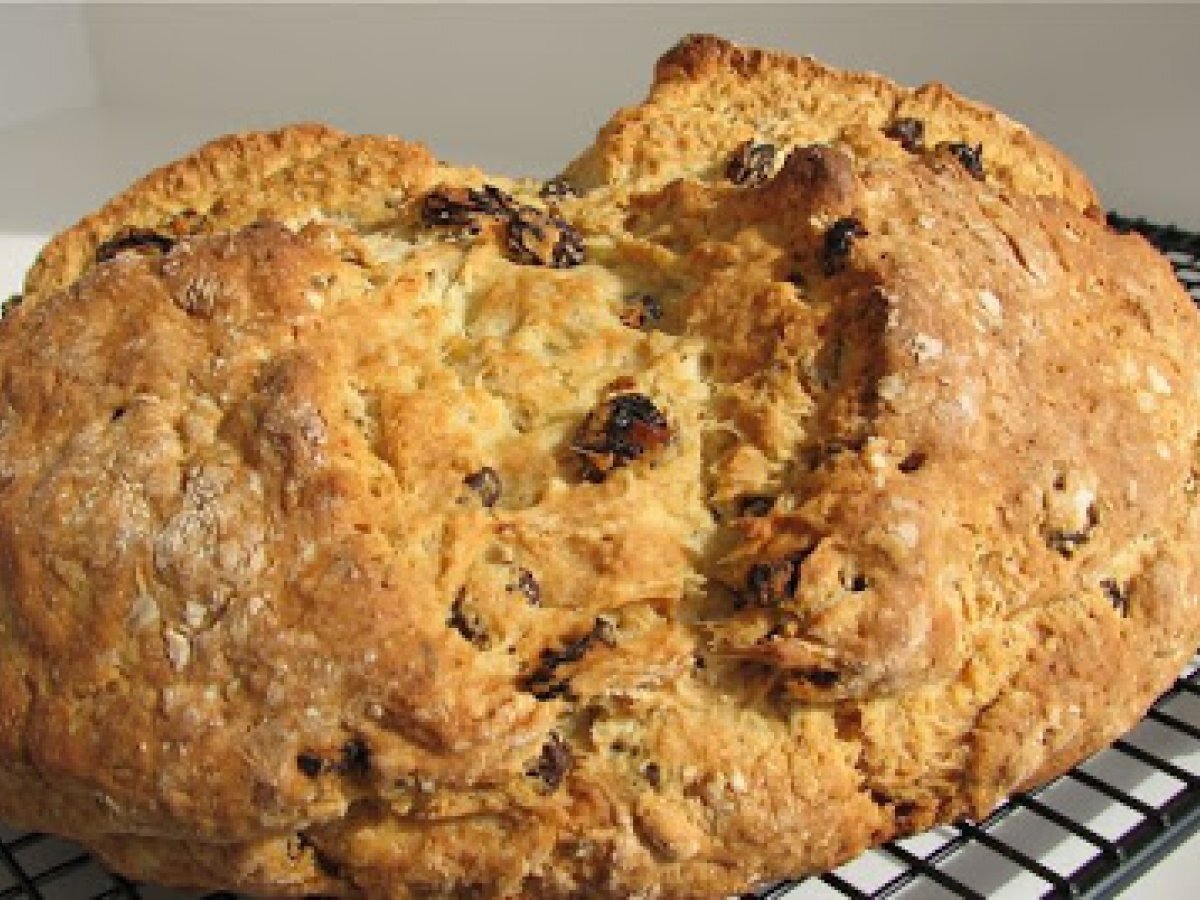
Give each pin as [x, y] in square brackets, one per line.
[58, 168]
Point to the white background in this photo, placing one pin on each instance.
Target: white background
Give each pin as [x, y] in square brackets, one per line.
[91, 97]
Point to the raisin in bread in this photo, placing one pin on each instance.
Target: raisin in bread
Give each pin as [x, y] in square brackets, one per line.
[807, 465]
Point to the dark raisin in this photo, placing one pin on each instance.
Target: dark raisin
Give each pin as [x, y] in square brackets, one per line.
[858, 584]
[908, 131]
[557, 188]
[797, 280]
[134, 239]
[458, 207]
[541, 681]
[355, 758]
[574, 650]
[912, 462]
[553, 763]
[568, 250]
[620, 430]
[118, 414]
[755, 505]
[1117, 595]
[771, 583]
[466, 622]
[10, 304]
[970, 158]
[532, 237]
[652, 772]
[446, 209]
[310, 764]
[905, 808]
[492, 201]
[822, 678]
[838, 240]
[751, 164]
[527, 241]
[640, 311]
[486, 483]
[879, 798]
[528, 585]
[536, 239]
[552, 690]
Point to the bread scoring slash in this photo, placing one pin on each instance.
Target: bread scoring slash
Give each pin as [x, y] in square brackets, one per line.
[806, 464]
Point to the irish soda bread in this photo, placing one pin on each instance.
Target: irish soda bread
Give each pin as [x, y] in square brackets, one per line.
[806, 465]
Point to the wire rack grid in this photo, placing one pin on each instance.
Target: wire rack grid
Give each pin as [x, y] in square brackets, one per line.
[1088, 834]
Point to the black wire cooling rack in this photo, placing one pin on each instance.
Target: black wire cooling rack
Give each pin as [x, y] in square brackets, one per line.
[1088, 834]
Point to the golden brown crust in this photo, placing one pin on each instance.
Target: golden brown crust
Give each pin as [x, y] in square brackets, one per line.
[236, 162]
[355, 539]
[709, 95]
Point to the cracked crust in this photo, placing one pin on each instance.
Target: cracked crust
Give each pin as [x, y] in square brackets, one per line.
[334, 562]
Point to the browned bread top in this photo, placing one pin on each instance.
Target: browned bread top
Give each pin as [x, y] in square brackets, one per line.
[710, 95]
[817, 467]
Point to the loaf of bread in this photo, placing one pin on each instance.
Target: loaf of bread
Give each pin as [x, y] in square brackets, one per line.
[806, 465]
